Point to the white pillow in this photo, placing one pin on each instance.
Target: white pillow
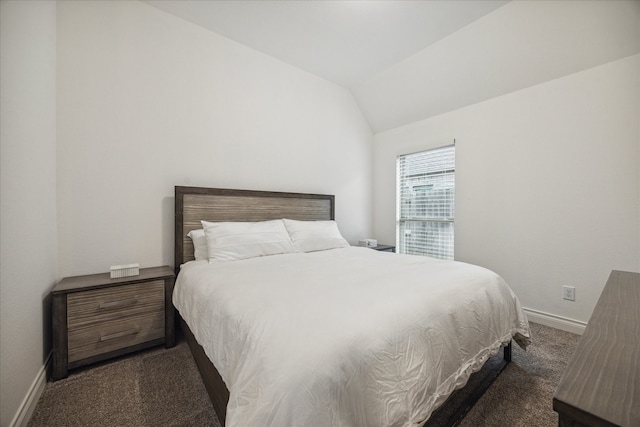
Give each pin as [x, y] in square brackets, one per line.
[228, 241]
[199, 240]
[310, 236]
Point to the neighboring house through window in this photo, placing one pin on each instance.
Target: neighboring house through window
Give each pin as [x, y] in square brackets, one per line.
[425, 203]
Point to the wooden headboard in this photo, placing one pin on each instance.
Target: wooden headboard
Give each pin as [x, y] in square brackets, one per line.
[194, 204]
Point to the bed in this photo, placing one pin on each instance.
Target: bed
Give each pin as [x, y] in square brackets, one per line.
[344, 336]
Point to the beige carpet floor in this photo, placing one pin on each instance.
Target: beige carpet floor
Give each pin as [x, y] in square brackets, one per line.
[162, 387]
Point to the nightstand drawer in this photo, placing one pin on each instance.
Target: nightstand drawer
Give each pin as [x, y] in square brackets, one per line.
[102, 337]
[95, 317]
[101, 305]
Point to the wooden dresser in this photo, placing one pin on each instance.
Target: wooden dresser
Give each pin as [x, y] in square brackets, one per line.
[96, 317]
[601, 385]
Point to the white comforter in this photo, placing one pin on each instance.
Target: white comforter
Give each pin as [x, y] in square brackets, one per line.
[345, 337]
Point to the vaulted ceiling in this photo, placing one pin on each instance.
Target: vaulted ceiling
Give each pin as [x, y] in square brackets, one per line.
[346, 42]
[405, 61]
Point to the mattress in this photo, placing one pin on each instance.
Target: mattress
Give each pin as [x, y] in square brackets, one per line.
[345, 337]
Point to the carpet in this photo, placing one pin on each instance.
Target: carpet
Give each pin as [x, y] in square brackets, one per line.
[157, 387]
[162, 387]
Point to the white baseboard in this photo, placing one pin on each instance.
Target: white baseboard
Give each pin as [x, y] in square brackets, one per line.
[30, 401]
[555, 321]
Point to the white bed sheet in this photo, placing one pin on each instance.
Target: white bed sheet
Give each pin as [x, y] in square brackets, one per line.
[345, 337]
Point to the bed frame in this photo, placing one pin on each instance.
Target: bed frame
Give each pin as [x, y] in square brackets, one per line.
[193, 204]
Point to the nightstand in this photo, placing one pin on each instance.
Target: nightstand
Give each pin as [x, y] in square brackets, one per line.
[385, 248]
[97, 318]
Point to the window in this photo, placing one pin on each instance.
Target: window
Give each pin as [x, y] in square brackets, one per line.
[425, 203]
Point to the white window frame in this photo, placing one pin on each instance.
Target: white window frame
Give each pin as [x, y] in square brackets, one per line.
[425, 203]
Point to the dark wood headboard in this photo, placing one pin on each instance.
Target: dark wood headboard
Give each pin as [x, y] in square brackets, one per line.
[194, 204]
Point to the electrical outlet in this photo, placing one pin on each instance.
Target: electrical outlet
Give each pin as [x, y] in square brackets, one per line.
[569, 293]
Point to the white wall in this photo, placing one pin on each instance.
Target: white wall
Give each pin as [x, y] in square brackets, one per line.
[28, 199]
[147, 101]
[547, 183]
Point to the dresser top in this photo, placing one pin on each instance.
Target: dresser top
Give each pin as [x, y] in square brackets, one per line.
[91, 281]
[602, 379]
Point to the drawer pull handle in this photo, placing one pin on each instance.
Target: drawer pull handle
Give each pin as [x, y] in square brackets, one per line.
[119, 303]
[119, 334]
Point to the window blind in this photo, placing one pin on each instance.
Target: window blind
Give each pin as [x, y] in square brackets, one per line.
[426, 203]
